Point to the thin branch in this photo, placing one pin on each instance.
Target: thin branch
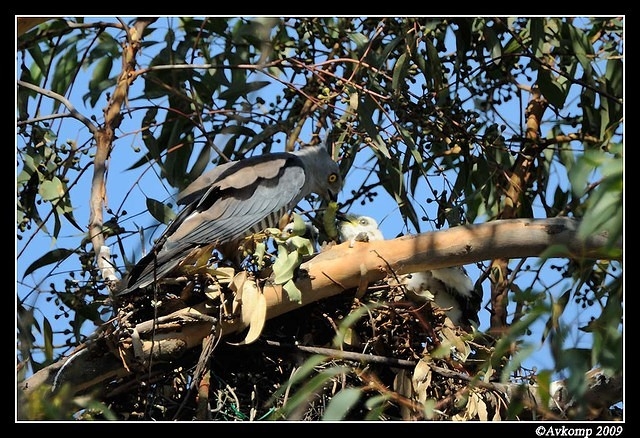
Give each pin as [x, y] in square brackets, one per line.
[42, 119]
[347, 355]
[72, 109]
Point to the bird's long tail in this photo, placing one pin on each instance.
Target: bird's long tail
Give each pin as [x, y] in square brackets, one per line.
[150, 268]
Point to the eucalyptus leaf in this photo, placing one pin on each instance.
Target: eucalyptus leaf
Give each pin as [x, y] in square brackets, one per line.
[47, 336]
[341, 403]
[52, 190]
[285, 265]
[302, 245]
[54, 256]
[160, 212]
[293, 293]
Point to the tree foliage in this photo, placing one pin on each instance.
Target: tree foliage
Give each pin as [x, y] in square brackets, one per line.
[436, 123]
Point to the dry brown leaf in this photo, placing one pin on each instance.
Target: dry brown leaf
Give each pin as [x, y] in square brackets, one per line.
[422, 375]
[213, 291]
[253, 308]
[237, 286]
[450, 338]
[257, 318]
[472, 407]
[402, 385]
[483, 414]
[352, 338]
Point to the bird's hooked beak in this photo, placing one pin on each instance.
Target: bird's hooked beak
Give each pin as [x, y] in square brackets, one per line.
[343, 217]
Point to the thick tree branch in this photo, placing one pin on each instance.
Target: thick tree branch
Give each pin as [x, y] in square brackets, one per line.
[104, 137]
[519, 181]
[336, 270]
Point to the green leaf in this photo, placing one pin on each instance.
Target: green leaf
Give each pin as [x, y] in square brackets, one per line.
[92, 407]
[590, 111]
[365, 114]
[299, 227]
[108, 47]
[329, 220]
[537, 31]
[574, 359]
[64, 73]
[29, 168]
[100, 80]
[294, 294]
[517, 330]
[400, 72]
[341, 404]
[310, 387]
[603, 215]
[349, 321]
[604, 204]
[51, 190]
[148, 122]
[285, 265]
[524, 352]
[551, 88]
[238, 130]
[615, 76]
[359, 39]
[582, 48]
[377, 405]
[177, 161]
[303, 246]
[241, 90]
[53, 256]
[47, 337]
[41, 60]
[301, 374]
[514, 45]
[493, 44]
[430, 407]
[543, 378]
[160, 212]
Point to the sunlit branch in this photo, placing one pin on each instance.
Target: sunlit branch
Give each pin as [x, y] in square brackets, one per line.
[72, 109]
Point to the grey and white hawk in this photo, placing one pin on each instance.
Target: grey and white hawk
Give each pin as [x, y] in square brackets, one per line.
[450, 289]
[235, 200]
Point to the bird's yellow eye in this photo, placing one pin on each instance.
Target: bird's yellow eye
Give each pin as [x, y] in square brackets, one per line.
[332, 178]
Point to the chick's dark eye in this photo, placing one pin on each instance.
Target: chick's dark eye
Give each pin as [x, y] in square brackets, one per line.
[332, 178]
